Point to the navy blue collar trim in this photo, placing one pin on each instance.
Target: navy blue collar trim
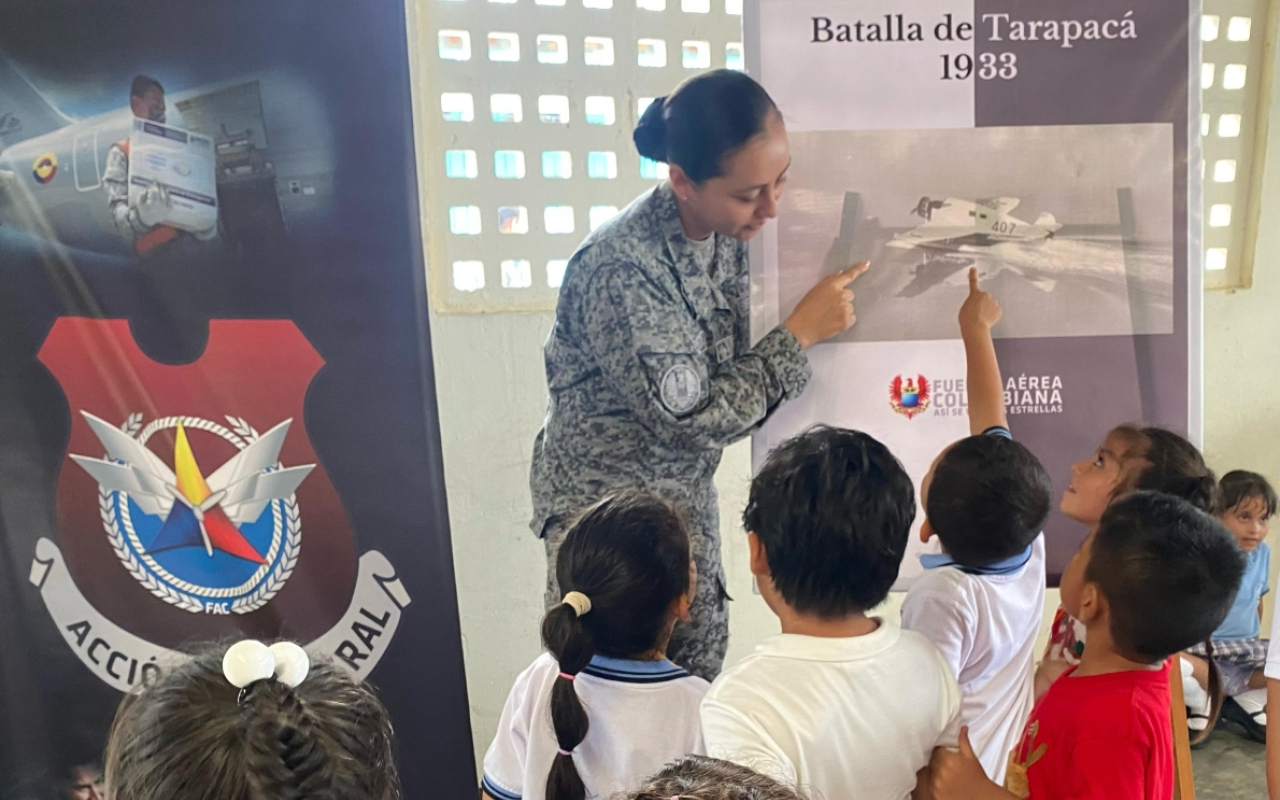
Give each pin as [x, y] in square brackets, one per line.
[495, 791]
[627, 671]
[1006, 567]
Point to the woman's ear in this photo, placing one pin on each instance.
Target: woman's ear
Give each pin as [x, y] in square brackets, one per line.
[681, 184]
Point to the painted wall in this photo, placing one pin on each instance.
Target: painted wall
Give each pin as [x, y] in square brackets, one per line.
[492, 395]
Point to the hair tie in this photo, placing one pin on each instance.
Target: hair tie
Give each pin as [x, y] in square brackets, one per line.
[564, 752]
[579, 602]
[249, 661]
[567, 676]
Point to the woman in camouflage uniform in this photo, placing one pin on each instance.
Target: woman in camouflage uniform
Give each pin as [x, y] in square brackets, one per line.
[650, 364]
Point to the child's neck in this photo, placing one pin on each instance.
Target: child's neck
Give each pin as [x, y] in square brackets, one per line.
[1100, 656]
[827, 627]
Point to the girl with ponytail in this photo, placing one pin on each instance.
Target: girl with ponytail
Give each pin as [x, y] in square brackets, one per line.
[1131, 458]
[603, 707]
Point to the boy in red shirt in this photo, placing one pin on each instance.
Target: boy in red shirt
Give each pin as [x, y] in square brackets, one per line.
[1158, 576]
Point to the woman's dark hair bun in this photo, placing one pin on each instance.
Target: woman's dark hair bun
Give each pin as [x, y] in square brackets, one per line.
[650, 134]
[703, 122]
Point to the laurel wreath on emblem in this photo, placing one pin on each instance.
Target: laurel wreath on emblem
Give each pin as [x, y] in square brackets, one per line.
[241, 434]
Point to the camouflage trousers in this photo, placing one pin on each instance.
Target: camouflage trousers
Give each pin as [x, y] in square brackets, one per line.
[698, 645]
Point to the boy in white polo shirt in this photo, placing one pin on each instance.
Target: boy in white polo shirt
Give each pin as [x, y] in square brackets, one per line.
[980, 603]
[840, 704]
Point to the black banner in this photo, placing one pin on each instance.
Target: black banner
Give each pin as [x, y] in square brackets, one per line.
[217, 418]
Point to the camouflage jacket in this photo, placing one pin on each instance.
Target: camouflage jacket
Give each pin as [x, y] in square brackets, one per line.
[650, 365]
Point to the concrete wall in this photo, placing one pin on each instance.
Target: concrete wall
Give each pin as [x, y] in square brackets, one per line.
[493, 396]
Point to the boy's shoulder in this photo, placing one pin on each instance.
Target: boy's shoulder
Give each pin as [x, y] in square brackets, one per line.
[771, 669]
[1126, 704]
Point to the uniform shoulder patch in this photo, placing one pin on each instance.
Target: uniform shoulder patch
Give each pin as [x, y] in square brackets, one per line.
[681, 389]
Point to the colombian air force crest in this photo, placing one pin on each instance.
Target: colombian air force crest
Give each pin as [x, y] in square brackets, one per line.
[192, 506]
[222, 544]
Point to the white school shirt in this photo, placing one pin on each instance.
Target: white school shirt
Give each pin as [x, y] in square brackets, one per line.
[853, 717]
[985, 626]
[1272, 668]
[642, 714]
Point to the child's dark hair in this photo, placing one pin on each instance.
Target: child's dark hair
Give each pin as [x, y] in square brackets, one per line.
[630, 555]
[1159, 460]
[192, 736]
[704, 121]
[1238, 486]
[702, 778]
[1169, 572]
[988, 499]
[833, 509]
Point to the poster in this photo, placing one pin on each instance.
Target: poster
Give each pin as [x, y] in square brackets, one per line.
[1046, 145]
[216, 400]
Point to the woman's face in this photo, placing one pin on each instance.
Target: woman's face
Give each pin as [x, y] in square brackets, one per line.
[745, 197]
[1094, 482]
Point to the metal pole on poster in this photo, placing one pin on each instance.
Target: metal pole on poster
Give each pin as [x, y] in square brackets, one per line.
[1184, 787]
[1195, 235]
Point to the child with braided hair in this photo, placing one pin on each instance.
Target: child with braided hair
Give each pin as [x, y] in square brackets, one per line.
[627, 571]
[252, 723]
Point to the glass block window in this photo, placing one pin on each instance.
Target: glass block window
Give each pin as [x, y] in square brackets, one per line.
[468, 276]
[455, 45]
[517, 273]
[597, 51]
[504, 47]
[461, 164]
[464, 220]
[734, 57]
[652, 170]
[599, 111]
[457, 107]
[696, 54]
[651, 53]
[530, 105]
[553, 49]
[506, 108]
[554, 108]
[602, 164]
[599, 215]
[1233, 55]
[513, 219]
[558, 219]
[555, 272]
[557, 164]
[508, 164]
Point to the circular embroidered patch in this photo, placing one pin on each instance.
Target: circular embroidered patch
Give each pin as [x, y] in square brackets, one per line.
[681, 389]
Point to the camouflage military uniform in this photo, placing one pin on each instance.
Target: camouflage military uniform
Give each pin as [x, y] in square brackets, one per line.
[652, 374]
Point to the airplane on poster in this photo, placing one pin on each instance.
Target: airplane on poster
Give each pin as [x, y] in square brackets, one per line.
[274, 153]
[953, 224]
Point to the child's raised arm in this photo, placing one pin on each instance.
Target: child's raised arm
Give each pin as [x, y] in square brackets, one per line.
[978, 315]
